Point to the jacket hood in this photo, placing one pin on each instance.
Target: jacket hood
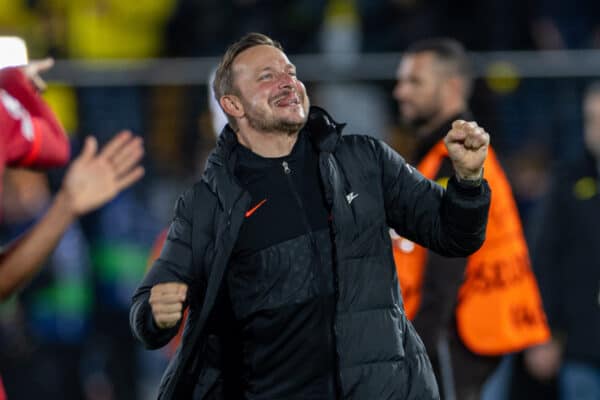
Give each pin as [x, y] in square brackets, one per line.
[323, 130]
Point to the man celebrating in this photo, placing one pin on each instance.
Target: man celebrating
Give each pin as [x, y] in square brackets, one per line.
[466, 324]
[282, 251]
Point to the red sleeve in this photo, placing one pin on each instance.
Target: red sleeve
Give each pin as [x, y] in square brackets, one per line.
[33, 135]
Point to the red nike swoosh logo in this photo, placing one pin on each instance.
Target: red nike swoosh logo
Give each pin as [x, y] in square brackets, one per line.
[256, 207]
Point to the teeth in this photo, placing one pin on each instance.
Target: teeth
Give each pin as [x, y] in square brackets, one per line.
[295, 101]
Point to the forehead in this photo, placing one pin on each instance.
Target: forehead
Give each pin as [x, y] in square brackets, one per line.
[417, 63]
[259, 57]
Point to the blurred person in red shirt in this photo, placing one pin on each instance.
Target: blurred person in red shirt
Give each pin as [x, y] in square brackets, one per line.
[30, 134]
[32, 137]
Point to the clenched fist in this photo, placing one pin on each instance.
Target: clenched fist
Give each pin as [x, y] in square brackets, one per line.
[467, 145]
[166, 300]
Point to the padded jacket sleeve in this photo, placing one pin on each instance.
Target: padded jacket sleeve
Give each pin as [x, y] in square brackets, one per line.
[173, 265]
[451, 222]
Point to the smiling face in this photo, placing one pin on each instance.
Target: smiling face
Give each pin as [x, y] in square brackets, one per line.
[271, 98]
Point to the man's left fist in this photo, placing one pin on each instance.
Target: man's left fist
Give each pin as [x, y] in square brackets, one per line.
[467, 145]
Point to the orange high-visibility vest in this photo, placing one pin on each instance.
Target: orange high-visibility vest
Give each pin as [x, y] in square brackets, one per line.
[499, 308]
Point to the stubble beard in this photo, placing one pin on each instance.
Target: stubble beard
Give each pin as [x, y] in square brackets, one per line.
[421, 119]
[260, 121]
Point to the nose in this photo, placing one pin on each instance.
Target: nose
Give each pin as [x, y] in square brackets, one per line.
[286, 80]
[398, 91]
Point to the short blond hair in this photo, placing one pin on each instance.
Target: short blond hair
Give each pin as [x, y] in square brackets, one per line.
[223, 83]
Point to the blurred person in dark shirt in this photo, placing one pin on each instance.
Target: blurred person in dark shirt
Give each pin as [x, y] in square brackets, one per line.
[566, 258]
[559, 25]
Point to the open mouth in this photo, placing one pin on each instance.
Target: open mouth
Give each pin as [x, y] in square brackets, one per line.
[287, 100]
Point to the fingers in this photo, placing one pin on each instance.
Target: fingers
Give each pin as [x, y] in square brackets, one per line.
[124, 153]
[130, 178]
[458, 124]
[170, 288]
[476, 139]
[168, 308]
[467, 145]
[456, 135]
[115, 144]
[127, 156]
[42, 65]
[34, 68]
[461, 124]
[89, 149]
[39, 83]
[166, 301]
[469, 134]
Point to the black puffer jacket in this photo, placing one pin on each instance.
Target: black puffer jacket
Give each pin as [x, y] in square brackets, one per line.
[379, 354]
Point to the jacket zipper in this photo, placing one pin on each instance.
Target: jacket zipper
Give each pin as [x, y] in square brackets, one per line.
[287, 170]
[288, 173]
[336, 285]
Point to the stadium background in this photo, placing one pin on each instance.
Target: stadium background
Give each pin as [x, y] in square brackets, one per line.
[144, 65]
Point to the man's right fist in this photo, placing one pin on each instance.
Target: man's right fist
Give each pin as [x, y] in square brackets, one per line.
[166, 300]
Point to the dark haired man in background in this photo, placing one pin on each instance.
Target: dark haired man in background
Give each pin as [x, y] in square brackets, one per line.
[468, 311]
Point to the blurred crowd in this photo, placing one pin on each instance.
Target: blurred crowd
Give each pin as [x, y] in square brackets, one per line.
[66, 335]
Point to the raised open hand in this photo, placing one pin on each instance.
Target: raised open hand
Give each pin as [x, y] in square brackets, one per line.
[94, 179]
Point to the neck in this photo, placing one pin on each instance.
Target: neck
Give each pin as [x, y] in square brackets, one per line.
[267, 144]
[440, 119]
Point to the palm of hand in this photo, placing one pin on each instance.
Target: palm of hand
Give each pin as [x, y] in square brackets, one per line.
[91, 183]
[95, 179]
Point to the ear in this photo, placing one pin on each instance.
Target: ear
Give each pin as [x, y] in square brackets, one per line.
[232, 105]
